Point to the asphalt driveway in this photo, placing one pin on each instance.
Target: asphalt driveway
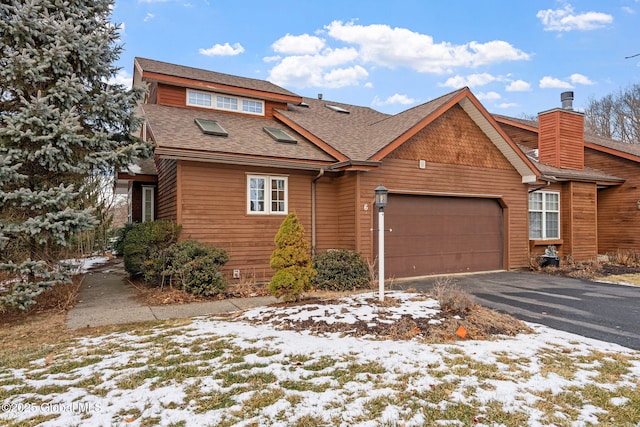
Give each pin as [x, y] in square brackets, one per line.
[602, 311]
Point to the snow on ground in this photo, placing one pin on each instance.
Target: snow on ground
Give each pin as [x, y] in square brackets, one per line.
[236, 372]
[82, 265]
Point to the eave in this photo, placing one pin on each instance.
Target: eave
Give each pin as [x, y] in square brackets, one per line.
[239, 159]
[612, 151]
[197, 84]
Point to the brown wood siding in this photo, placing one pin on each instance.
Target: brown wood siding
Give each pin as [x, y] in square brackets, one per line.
[214, 210]
[335, 212]
[172, 96]
[618, 213]
[584, 221]
[521, 136]
[176, 96]
[166, 207]
[453, 138]
[561, 139]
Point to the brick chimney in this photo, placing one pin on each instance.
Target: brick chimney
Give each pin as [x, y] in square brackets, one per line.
[561, 135]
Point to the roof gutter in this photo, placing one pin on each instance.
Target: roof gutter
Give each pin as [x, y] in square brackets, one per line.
[180, 154]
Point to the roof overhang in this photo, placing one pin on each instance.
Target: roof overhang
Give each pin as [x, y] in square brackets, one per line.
[215, 87]
[239, 159]
[507, 147]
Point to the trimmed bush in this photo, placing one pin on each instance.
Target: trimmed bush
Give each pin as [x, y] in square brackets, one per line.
[291, 261]
[341, 270]
[193, 267]
[144, 241]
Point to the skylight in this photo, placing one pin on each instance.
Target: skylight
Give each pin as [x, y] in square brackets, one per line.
[336, 108]
[211, 127]
[280, 135]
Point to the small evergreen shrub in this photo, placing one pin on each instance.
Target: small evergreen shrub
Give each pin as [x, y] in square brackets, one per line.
[144, 241]
[188, 265]
[340, 270]
[291, 261]
[194, 267]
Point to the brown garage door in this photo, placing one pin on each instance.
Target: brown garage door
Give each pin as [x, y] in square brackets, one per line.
[434, 235]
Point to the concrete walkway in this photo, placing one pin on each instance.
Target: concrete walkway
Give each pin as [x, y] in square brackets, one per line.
[106, 299]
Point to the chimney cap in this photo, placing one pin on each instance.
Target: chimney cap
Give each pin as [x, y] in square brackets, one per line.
[566, 98]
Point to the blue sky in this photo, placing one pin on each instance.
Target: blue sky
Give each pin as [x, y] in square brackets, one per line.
[516, 56]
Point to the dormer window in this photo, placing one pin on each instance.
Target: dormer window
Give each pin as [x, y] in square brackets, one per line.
[216, 101]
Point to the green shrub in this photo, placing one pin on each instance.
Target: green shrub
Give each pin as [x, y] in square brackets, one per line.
[291, 261]
[144, 241]
[193, 267]
[121, 234]
[341, 270]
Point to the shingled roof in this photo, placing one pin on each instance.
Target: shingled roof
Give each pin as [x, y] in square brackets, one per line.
[175, 128]
[358, 132]
[173, 70]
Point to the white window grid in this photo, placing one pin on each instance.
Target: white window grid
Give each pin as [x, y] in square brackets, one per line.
[544, 215]
[267, 195]
[224, 102]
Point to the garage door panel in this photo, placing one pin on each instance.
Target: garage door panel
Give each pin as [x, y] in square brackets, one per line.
[433, 235]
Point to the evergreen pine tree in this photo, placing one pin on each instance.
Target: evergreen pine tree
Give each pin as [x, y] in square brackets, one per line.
[291, 260]
[60, 121]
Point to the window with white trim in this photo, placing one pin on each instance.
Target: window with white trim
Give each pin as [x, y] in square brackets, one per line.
[148, 204]
[215, 101]
[198, 99]
[266, 194]
[544, 215]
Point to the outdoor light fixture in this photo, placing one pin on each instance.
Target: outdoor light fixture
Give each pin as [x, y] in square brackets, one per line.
[381, 196]
[381, 201]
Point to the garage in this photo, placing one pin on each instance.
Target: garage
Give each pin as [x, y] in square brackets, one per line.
[437, 235]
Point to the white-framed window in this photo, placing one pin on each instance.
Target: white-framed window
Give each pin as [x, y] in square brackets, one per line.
[148, 205]
[544, 215]
[226, 103]
[196, 98]
[249, 106]
[199, 99]
[267, 194]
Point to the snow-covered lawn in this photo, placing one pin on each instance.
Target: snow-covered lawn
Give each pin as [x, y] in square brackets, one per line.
[245, 371]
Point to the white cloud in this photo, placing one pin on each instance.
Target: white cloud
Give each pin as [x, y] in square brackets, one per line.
[518, 86]
[488, 96]
[548, 82]
[472, 80]
[580, 79]
[298, 45]
[122, 78]
[318, 70]
[393, 99]
[149, 17]
[368, 85]
[566, 20]
[310, 60]
[223, 50]
[400, 47]
[506, 105]
[628, 10]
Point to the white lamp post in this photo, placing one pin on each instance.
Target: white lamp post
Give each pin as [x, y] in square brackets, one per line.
[381, 202]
